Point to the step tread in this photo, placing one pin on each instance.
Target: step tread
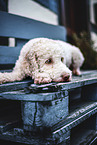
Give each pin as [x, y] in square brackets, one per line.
[76, 117]
[25, 87]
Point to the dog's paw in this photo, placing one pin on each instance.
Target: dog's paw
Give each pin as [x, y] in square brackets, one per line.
[42, 78]
[76, 72]
[1, 78]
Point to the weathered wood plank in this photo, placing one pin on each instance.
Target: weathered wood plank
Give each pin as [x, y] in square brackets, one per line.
[75, 118]
[8, 125]
[84, 136]
[9, 55]
[15, 85]
[19, 136]
[43, 114]
[25, 28]
[18, 95]
[59, 131]
[30, 89]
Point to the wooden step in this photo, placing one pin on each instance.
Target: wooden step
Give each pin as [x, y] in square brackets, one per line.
[57, 108]
[87, 78]
[79, 118]
[76, 117]
[79, 126]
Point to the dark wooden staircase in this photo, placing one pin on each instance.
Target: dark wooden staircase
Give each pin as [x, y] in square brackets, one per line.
[51, 113]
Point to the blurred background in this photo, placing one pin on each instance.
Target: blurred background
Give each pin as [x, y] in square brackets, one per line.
[77, 16]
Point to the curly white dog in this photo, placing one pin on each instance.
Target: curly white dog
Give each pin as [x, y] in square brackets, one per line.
[45, 60]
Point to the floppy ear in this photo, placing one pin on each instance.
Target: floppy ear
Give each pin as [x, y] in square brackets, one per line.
[33, 60]
[30, 63]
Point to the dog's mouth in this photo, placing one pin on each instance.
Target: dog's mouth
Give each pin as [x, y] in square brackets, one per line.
[63, 78]
[44, 79]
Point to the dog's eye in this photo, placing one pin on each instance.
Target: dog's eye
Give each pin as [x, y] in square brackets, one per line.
[49, 61]
[62, 59]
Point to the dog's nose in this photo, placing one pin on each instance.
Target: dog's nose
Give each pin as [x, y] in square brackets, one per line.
[66, 77]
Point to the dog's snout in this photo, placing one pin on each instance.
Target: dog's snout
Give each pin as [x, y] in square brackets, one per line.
[66, 77]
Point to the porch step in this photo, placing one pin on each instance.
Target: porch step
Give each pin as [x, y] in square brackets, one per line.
[86, 78]
[81, 117]
[60, 111]
[76, 117]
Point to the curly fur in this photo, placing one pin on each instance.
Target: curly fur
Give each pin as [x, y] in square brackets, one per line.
[45, 60]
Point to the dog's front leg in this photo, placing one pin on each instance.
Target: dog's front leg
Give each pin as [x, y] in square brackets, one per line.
[76, 71]
[11, 76]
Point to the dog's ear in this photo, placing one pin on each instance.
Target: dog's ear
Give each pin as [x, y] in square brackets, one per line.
[31, 61]
[36, 61]
[31, 57]
[36, 57]
[27, 57]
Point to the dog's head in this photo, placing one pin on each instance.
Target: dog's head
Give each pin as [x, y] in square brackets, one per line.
[47, 63]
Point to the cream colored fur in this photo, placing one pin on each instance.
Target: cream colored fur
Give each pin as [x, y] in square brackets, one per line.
[45, 60]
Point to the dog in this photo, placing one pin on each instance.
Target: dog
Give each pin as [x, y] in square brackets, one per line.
[46, 60]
